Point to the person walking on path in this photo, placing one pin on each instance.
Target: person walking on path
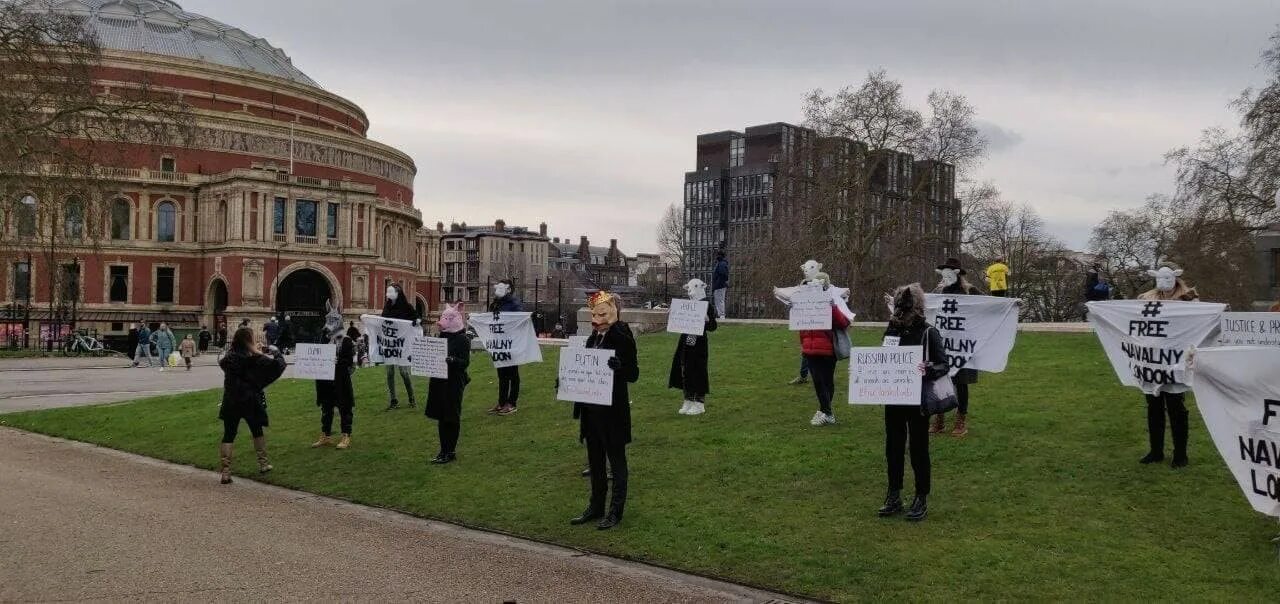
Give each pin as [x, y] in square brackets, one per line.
[187, 349]
[998, 278]
[508, 377]
[444, 396]
[905, 424]
[132, 344]
[247, 372]
[397, 307]
[144, 347]
[953, 281]
[165, 343]
[205, 338]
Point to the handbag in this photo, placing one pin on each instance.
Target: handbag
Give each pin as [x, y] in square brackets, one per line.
[939, 394]
[841, 343]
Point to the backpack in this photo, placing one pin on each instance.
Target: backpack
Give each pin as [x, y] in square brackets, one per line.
[1102, 289]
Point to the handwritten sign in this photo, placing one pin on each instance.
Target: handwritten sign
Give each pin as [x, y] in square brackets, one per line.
[810, 309]
[314, 361]
[886, 375]
[1250, 329]
[585, 376]
[687, 317]
[429, 357]
[389, 339]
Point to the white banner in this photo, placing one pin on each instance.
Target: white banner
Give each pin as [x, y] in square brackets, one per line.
[1238, 394]
[1147, 341]
[687, 317]
[429, 356]
[810, 309]
[977, 331]
[390, 339]
[314, 361]
[887, 375]
[585, 376]
[509, 338]
[1250, 329]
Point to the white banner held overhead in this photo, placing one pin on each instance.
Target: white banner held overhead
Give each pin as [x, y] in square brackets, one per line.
[887, 375]
[687, 317]
[977, 331]
[1250, 329]
[429, 356]
[314, 361]
[810, 309]
[1147, 341]
[1238, 394]
[509, 338]
[389, 339]
[585, 376]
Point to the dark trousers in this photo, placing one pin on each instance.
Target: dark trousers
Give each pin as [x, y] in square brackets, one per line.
[1175, 406]
[345, 414]
[804, 366]
[1000, 293]
[962, 395]
[903, 424]
[509, 385]
[231, 426]
[700, 397]
[449, 432]
[824, 380]
[597, 452]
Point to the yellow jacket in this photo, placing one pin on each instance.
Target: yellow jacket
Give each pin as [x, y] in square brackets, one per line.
[998, 277]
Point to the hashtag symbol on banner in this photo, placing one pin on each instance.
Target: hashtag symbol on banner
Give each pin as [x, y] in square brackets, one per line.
[950, 306]
[1152, 309]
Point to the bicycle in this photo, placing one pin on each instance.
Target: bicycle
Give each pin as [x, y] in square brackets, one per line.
[81, 343]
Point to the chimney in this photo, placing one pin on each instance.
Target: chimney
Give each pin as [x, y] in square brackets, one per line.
[500, 225]
[440, 227]
[453, 228]
[542, 229]
[556, 240]
[613, 244]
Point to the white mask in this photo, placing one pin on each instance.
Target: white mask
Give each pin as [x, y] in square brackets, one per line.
[811, 269]
[1166, 278]
[949, 276]
[501, 290]
[392, 294]
[697, 290]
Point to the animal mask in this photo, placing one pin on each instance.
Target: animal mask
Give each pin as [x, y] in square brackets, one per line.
[453, 319]
[949, 276]
[697, 289]
[500, 290]
[392, 294]
[604, 311]
[811, 269]
[332, 321]
[1166, 278]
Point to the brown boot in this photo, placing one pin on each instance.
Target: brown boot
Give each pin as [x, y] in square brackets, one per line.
[960, 428]
[345, 442]
[323, 442]
[260, 445]
[224, 462]
[938, 426]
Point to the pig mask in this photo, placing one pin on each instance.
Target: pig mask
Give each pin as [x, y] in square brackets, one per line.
[697, 289]
[1166, 278]
[452, 320]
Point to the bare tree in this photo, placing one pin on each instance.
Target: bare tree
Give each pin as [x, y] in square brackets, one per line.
[875, 113]
[1129, 242]
[949, 134]
[671, 236]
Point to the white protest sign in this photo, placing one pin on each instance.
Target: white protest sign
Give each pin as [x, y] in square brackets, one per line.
[1250, 329]
[810, 309]
[314, 361]
[509, 338]
[1238, 394]
[687, 317]
[888, 375]
[585, 376]
[389, 339]
[977, 331]
[1147, 341]
[429, 357]
[578, 341]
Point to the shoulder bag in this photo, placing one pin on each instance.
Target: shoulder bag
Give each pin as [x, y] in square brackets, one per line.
[940, 394]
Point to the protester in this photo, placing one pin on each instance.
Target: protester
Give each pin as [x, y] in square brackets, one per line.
[689, 365]
[353, 332]
[905, 424]
[504, 300]
[953, 282]
[818, 347]
[246, 374]
[187, 349]
[337, 393]
[444, 396]
[165, 342]
[998, 278]
[607, 429]
[720, 283]
[205, 338]
[1169, 286]
[820, 278]
[397, 307]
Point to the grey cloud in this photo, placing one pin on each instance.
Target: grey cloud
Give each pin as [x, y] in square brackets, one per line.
[998, 139]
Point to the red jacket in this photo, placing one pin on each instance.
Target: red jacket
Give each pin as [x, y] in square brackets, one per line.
[820, 343]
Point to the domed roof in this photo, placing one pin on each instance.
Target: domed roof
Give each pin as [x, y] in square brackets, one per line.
[161, 27]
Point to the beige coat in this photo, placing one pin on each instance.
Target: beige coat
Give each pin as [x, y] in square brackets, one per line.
[187, 348]
[1180, 292]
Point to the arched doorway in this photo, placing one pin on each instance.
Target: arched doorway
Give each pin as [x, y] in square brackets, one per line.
[215, 307]
[302, 295]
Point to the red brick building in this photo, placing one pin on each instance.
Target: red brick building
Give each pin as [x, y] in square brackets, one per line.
[279, 202]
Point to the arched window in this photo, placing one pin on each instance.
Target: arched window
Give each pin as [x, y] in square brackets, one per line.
[165, 221]
[222, 220]
[24, 214]
[121, 212]
[73, 223]
[386, 242]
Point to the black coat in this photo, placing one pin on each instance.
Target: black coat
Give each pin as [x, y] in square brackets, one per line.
[245, 377]
[444, 397]
[339, 391]
[964, 376]
[400, 309]
[205, 338]
[133, 342]
[689, 365]
[914, 335]
[612, 424]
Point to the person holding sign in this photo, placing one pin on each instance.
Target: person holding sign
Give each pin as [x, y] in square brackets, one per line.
[1169, 286]
[444, 396]
[689, 365]
[246, 374]
[508, 377]
[818, 347]
[952, 281]
[607, 429]
[905, 424]
[398, 307]
[339, 392]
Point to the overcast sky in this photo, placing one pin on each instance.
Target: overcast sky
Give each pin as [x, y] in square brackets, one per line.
[583, 113]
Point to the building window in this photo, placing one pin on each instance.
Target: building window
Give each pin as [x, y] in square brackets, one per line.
[277, 222]
[164, 284]
[165, 221]
[737, 152]
[304, 218]
[119, 284]
[73, 224]
[25, 216]
[331, 221]
[21, 281]
[168, 164]
[120, 219]
[70, 282]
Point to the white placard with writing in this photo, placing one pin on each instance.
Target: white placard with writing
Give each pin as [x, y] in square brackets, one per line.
[314, 361]
[687, 317]
[429, 356]
[886, 375]
[389, 339]
[1250, 329]
[585, 376]
[810, 309]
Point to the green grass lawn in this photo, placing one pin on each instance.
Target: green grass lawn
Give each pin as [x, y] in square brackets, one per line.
[1044, 500]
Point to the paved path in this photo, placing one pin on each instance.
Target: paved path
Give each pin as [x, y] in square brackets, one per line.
[27, 384]
[85, 523]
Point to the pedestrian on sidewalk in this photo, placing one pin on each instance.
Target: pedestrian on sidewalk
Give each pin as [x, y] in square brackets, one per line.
[205, 338]
[444, 397]
[165, 342]
[144, 346]
[247, 372]
[187, 349]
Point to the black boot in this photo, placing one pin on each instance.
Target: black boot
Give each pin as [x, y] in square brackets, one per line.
[608, 522]
[1178, 428]
[592, 512]
[892, 504]
[615, 511]
[394, 404]
[919, 509]
[1155, 429]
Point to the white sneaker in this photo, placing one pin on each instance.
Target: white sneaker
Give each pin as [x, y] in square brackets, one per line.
[684, 409]
[162, 370]
[829, 420]
[819, 418]
[697, 408]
